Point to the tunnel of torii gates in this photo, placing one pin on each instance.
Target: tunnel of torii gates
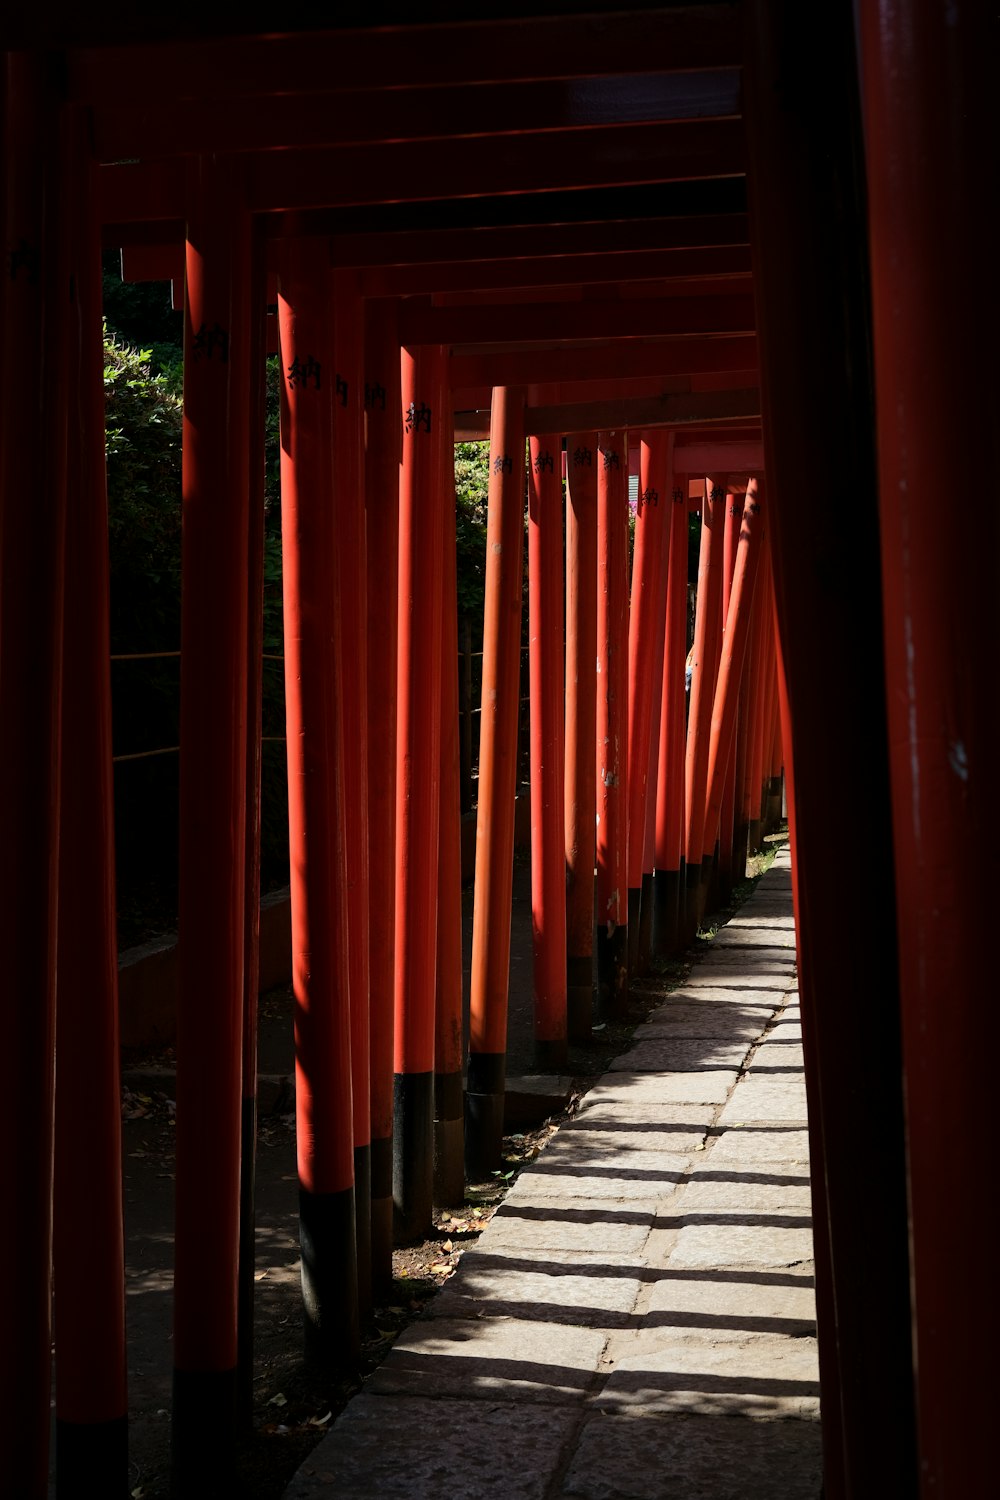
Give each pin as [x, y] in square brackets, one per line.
[563, 239]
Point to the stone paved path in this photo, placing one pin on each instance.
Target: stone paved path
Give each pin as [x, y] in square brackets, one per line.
[637, 1321]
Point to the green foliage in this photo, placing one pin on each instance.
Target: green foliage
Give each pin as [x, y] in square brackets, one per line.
[472, 482]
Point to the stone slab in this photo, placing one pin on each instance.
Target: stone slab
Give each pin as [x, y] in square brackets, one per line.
[416, 1448]
[738, 1146]
[734, 1023]
[708, 1087]
[603, 1174]
[764, 935]
[770, 987]
[621, 1227]
[725, 998]
[773, 1097]
[758, 1377]
[581, 1289]
[732, 1305]
[766, 912]
[493, 1358]
[680, 1054]
[768, 1194]
[695, 1458]
[725, 1244]
[777, 1056]
[642, 1126]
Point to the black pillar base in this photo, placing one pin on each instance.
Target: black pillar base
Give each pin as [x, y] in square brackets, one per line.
[579, 996]
[484, 1105]
[381, 1174]
[666, 912]
[328, 1241]
[645, 948]
[203, 1434]
[691, 896]
[741, 842]
[92, 1459]
[773, 817]
[612, 971]
[550, 1056]
[412, 1156]
[449, 1140]
[634, 904]
[363, 1228]
[753, 836]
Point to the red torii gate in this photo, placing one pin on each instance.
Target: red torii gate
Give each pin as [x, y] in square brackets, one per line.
[835, 714]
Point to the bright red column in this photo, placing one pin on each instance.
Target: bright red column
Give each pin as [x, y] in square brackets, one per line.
[350, 563]
[548, 835]
[706, 634]
[418, 784]
[383, 429]
[727, 812]
[449, 1104]
[646, 910]
[212, 817]
[581, 708]
[928, 74]
[497, 784]
[612, 721]
[645, 625]
[724, 709]
[91, 1396]
[314, 714]
[669, 846]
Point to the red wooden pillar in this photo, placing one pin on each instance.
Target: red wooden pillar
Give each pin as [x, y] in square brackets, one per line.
[931, 149]
[91, 1396]
[449, 1104]
[497, 784]
[548, 835]
[314, 710]
[581, 727]
[706, 634]
[347, 395]
[733, 653]
[804, 141]
[656, 714]
[669, 849]
[612, 721]
[645, 624]
[251, 894]
[382, 455]
[418, 782]
[212, 820]
[32, 464]
[734, 513]
[764, 714]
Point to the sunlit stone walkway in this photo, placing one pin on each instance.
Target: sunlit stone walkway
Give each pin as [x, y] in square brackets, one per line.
[638, 1318]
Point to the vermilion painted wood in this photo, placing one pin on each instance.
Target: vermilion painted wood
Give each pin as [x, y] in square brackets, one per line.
[251, 893]
[934, 312]
[346, 394]
[449, 1124]
[545, 667]
[629, 360]
[646, 922]
[706, 634]
[581, 708]
[547, 271]
[612, 720]
[528, 242]
[497, 783]
[734, 511]
[91, 1396]
[418, 787]
[805, 146]
[734, 646]
[644, 626]
[661, 317]
[314, 712]
[32, 463]
[212, 815]
[383, 440]
[670, 789]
